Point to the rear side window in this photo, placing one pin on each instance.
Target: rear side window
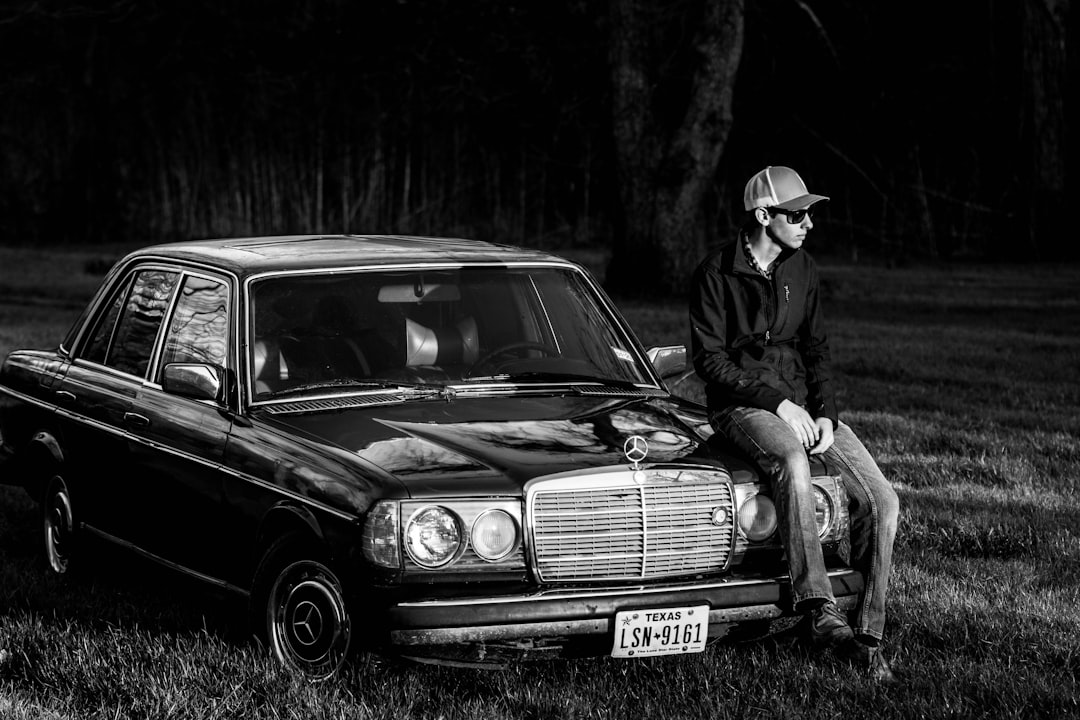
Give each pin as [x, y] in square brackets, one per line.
[126, 332]
[97, 348]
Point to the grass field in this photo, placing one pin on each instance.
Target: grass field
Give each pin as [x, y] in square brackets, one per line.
[963, 381]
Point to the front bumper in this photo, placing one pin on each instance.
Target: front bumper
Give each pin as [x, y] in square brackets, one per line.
[567, 613]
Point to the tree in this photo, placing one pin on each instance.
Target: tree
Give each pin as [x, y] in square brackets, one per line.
[1043, 125]
[668, 140]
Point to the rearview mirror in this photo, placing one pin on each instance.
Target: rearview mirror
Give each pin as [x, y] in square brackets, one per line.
[419, 292]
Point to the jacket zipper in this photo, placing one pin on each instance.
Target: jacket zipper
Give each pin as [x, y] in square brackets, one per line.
[767, 297]
[787, 300]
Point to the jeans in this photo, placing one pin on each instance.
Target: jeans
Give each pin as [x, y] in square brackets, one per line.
[872, 503]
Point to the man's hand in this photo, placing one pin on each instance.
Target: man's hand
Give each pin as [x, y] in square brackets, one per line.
[800, 421]
[825, 436]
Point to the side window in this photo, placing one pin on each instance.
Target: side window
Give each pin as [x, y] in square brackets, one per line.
[199, 328]
[143, 312]
[97, 348]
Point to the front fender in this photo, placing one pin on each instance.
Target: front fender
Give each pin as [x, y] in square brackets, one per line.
[284, 517]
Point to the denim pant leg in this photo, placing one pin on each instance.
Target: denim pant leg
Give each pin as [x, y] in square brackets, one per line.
[773, 445]
[874, 511]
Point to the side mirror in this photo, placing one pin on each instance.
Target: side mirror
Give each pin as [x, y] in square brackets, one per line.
[198, 381]
[671, 364]
[669, 360]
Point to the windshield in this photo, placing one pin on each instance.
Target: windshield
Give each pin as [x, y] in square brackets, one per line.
[433, 327]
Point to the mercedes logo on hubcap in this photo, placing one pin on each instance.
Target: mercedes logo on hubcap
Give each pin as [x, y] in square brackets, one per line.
[307, 623]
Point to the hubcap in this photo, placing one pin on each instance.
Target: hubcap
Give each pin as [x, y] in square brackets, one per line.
[58, 528]
[310, 628]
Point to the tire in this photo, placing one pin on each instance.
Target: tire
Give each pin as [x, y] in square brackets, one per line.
[300, 610]
[58, 523]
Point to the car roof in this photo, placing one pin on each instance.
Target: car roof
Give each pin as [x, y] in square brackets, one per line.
[255, 255]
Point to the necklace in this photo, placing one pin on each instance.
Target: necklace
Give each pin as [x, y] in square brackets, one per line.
[752, 260]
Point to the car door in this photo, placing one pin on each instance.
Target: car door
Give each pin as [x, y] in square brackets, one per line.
[109, 365]
[177, 443]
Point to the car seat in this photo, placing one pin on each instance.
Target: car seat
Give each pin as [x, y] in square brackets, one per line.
[327, 349]
[457, 344]
[268, 367]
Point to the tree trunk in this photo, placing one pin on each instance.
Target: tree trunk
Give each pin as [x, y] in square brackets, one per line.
[1045, 74]
[663, 175]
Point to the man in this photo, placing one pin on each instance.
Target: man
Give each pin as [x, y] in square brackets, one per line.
[759, 343]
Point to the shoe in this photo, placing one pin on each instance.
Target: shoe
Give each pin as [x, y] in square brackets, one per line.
[828, 626]
[869, 660]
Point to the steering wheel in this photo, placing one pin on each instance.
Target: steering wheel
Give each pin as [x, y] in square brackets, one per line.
[504, 349]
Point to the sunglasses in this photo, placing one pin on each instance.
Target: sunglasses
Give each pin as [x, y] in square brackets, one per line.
[794, 217]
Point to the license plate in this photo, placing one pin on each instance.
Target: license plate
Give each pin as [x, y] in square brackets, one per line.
[660, 631]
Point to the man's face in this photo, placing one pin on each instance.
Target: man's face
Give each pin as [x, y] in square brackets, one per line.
[785, 231]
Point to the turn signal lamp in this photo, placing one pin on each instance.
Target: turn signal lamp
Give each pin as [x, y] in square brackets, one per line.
[380, 538]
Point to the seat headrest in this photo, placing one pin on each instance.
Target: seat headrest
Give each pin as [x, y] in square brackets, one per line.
[428, 346]
[261, 353]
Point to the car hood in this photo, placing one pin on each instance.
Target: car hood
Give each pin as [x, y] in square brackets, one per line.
[494, 445]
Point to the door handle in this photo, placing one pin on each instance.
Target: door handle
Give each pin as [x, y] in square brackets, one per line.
[64, 396]
[136, 419]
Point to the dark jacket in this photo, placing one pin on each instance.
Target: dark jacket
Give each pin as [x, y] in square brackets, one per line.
[756, 342]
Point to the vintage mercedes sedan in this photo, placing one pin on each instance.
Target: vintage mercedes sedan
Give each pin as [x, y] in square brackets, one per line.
[440, 449]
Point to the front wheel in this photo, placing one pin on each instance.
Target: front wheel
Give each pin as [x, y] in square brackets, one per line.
[59, 525]
[305, 618]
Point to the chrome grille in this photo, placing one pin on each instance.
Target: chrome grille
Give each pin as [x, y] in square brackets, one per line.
[621, 530]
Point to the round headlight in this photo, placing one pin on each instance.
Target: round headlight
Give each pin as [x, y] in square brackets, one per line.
[494, 535]
[433, 537]
[823, 511]
[757, 518]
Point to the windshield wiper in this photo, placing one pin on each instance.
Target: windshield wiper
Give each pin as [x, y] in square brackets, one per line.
[559, 377]
[411, 390]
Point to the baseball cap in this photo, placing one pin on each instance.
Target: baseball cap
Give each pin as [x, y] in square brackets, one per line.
[779, 187]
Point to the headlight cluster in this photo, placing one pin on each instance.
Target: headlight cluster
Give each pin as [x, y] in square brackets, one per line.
[437, 535]
[758, 520]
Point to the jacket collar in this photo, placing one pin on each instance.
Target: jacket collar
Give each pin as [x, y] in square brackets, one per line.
[739, 262]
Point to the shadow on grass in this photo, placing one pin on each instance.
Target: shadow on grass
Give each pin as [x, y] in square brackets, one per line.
[1026, 529]
[106, 586]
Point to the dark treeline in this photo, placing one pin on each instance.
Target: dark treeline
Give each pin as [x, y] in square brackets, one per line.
[937, 128]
